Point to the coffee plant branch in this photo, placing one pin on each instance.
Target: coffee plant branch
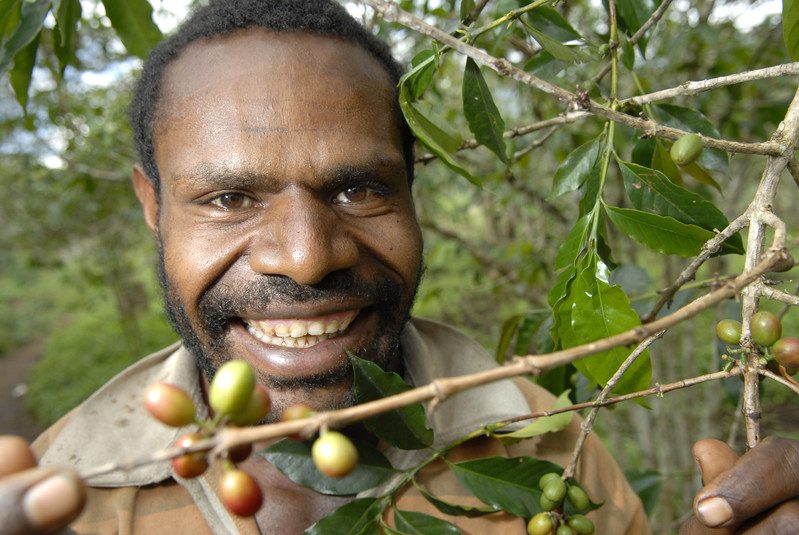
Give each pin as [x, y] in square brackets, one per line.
[588, 424]
[782, 380]
[393, 13]
[311, 425]
[694, 87]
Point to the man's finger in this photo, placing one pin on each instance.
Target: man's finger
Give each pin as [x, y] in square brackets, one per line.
[782, 519]
[713, 457]
[39, 501]
[763, 478]
[15, 455]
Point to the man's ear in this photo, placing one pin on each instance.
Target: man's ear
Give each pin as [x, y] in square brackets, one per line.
[148, 197]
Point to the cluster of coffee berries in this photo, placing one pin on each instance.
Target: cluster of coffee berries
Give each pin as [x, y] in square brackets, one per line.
[237, 399]
[766, 332]
[553, 520]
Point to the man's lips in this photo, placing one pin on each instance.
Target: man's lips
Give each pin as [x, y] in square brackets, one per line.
[300, 332]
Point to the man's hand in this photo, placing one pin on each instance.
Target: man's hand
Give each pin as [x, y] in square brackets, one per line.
[35, 500]
[757, 493]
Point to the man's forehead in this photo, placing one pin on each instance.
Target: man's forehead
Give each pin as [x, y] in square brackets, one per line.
[245, 56]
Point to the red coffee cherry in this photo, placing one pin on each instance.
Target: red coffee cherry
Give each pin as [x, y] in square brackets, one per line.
[766, 328]
[786, 351]
[169, 404]
[297, 411]
[334, 454]
[239, 492]
[256, 409]
[192, 464]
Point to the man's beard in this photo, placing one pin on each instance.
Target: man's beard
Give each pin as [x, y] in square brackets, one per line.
[223, 303]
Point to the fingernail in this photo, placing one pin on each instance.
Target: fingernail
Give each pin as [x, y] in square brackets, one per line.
[51, 502]
[714, 512]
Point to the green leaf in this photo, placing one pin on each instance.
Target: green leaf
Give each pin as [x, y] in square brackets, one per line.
[652, 191]
[594, 310]
[700, 175]
[576, 168]
[647, 484]
[414, 523]
[21, 72]
[357, 517]
[9, 18]
[66, 32]
[627, 52]
[404, 428]
[449, 508]
[566, 53]
[643, 151]
[293, 458]
[425, 65]
[660, 233]
[431, 136]
[635, 13]
[546, 424]
[481, 112]
[790, 27]
[661, 160]
[527, 330]
[692, 120]
[133, 22]
[466, 7]
[568, 253]
[508, 330]
[550, 22]
[31, 20]
[505, 483]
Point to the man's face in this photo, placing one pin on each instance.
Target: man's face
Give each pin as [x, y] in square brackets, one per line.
[286, 224]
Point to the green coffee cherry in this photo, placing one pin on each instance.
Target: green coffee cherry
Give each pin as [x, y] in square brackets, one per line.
[686, 149]
[546, 478]
[577, 497]
[540, 524]
[547, 504]
[729, 331]
[581, 524]
[555, 490]
[564, 530]
[232, 387]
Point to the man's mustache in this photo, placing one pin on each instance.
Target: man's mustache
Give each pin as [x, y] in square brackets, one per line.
[223, 301]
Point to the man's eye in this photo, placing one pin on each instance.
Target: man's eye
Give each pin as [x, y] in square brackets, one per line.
[232, 201]
[356, 194]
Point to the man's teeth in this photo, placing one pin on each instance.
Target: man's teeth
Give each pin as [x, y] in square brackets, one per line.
[297, 333]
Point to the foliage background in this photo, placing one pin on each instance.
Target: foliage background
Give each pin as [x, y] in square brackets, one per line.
[77, 266]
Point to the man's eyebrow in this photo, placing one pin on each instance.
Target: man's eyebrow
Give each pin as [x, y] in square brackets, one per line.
[378, 169]
[219, 177]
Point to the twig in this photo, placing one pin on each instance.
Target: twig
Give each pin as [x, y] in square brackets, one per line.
[782, 380]
[787, 306]
[588, 424]
[694, 87]
[689, 272]
[656, 16]
[778, 295]
[793, 167]
[475, 12]
[655, 390]
[566, 118]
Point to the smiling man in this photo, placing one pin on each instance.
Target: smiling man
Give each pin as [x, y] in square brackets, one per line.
[276, 177]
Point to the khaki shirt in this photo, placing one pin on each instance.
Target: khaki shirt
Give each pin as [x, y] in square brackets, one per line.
[113, 425]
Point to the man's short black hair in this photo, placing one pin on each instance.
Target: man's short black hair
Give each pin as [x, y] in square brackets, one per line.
[323, 17]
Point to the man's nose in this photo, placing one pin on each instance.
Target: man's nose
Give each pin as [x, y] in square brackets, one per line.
[302, 237]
